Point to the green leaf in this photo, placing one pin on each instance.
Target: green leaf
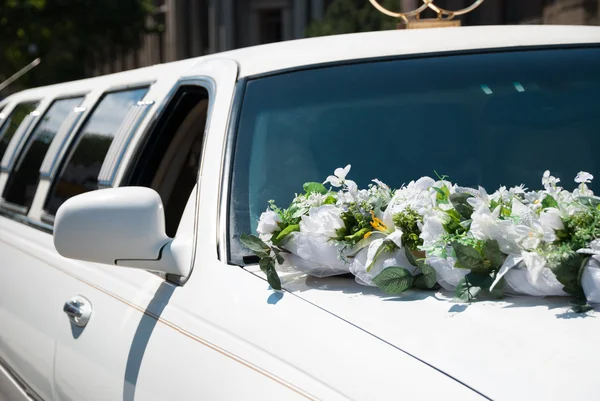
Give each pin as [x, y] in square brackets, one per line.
[393, 280]
[266, 263]
[287, 231]
[278, 256]
[314, 188]
[441, 196]
[429, 275]
[273, 277]
[465, 291]
[491, 251]
[410, 256]
[254, 243]
[549, 201]
[330, 200]
[498, 291]
[468, 257]
[567, 273]
[460, 203]
[357, 236]
[299, 213]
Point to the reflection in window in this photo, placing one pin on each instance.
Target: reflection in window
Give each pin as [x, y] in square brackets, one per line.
[22, 182]
[80, 173]
[8, 129]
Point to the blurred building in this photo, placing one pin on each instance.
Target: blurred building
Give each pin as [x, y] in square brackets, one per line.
[198, 27]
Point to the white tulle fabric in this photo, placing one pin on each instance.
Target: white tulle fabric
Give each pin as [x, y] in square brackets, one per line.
[315, 255]
[447, 275]
[590, 280]
[527, 274]
[364, 258]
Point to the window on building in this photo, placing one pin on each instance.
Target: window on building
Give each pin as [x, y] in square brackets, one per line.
[80, 169]
[12, 122]
[22, 183]
[270, 25]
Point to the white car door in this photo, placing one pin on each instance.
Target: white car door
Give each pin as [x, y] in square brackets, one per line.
[106, 358]
[31, 290]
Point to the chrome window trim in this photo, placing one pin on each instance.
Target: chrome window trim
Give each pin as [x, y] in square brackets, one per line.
[48, 171]
[48, 219]
[72, 140]
[226, 171]
[33, 117]
[209, 84]
[131, 128]
[13, 207]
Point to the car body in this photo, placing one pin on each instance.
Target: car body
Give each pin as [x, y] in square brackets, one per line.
[199, 325]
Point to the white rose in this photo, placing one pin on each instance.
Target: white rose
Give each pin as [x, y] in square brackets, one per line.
[323, 220]
[267, 223]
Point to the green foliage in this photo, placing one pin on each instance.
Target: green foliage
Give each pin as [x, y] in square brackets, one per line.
[393, 280]
[66, 35]
[461, 204]
[583, 227]
[349, 16]
[266, 262]
[314, 188]
[549, 201]
[408, 221]
[474, 284]
[285, 232]
[567, 266]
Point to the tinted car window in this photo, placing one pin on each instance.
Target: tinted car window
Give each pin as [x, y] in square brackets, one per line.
[482, 119]
[80, 172]
[23, 180]
[12, 122]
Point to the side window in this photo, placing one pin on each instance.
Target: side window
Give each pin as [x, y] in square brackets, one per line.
[12, 122]
[80, 170]
[23, 180]
[169, 159]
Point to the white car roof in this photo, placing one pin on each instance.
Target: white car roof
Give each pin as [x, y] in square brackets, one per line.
[280, 56]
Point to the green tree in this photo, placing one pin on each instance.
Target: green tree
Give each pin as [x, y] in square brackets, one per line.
[65, 34]
[349, 16]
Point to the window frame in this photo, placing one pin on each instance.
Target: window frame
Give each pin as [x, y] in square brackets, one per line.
[74, 139]
[41, 106]
[22, 151]
[227, 161]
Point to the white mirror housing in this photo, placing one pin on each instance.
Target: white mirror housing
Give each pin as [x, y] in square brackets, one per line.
[117, 226]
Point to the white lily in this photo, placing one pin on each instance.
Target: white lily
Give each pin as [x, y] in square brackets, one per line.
[338, 178]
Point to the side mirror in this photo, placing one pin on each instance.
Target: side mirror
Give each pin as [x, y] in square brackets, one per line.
[118, 226]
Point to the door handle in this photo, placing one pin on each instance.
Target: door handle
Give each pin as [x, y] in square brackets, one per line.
[79, 310]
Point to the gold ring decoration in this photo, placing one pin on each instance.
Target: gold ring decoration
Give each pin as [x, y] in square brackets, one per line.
[442, 14]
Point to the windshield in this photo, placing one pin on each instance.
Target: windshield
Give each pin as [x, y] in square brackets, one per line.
[487, 119]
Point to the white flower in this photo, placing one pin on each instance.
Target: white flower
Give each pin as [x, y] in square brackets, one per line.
[487, 225]
[323, 220]
[339, 178]
[584, 177]
[518, 190]
[396, 237]
[534, 199]
[432, 230]
[550, 218]
[267, 224]
[380, 184]
[533, 235]
[549, 181]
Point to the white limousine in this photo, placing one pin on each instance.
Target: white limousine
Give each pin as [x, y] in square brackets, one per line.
[125, 198]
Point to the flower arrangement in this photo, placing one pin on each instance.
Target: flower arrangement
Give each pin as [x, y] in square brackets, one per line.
[432, 233]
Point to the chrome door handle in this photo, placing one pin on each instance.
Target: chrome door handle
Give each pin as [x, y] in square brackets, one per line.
[79, 310]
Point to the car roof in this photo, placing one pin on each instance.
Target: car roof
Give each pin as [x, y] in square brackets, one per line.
[281, 56]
